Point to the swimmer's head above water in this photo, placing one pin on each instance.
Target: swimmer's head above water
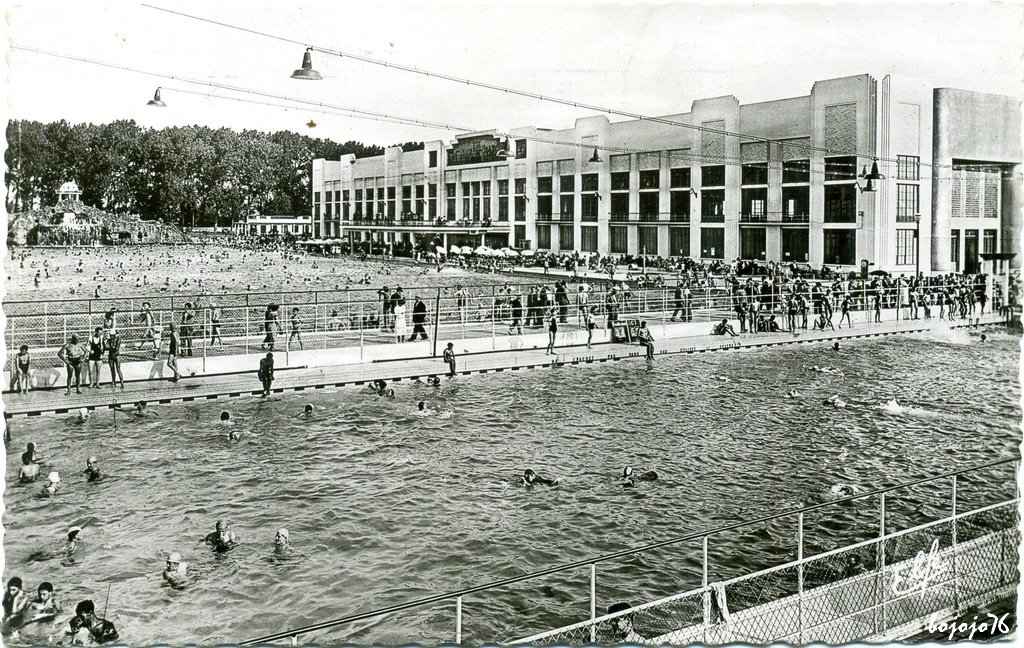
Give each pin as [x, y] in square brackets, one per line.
[225, 417]
[421, 406]
[308, 409]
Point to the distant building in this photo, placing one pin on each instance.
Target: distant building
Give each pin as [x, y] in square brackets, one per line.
[70, 192]
[271, 225]
[792, 192]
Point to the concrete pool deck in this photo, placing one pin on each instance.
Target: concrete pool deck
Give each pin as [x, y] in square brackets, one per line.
[341, 367]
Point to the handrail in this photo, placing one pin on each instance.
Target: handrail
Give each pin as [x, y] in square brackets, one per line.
[606, 557]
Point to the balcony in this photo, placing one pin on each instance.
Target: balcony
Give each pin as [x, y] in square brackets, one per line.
[796, 218]
[753, 218]
[554, 218]
[712, 218]
[679, 218]
[424, 223]
[618, 218]
[649, 218]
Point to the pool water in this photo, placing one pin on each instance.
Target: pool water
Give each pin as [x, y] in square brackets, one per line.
[384, 506]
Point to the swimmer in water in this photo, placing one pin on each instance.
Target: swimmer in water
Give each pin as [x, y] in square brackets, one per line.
[222, 538]
[45, 606]
[225, 418]
[628, 479]
[835, 401]
[434, 381]
[83, 415]
[92, 469]
[983, 337]
[176, 571]
[843, 490]
[52, 485]
[141, 409]
[282, 541]
[792, 393]
[307, 411]
[29, 471]
[531, 478]
[74, 538]
[388, 393]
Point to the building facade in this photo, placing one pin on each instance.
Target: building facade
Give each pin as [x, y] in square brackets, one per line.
[268, 225]
[778, 180]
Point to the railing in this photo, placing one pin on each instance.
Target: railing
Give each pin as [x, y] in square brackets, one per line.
[712, 218]
[753, 218]
[974, 524]
[796, 218]
[349, 318]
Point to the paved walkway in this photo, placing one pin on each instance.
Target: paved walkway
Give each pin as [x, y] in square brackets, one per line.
[299, 379]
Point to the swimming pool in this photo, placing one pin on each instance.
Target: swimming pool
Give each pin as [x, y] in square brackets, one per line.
[384, 506]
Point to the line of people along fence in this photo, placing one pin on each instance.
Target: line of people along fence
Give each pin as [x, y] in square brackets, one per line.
[227, 324]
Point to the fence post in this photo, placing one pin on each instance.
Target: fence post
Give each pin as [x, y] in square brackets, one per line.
[247, 325]
[706, 595]
[14, 358]
[46, 324]
[437, 319]
[956, 581]
[593, 601]
[800, 574]
[65, 331]
[458, 620]
[880, 594]
[361, 321]
[664, 309]
[206, 329]
[295, 640]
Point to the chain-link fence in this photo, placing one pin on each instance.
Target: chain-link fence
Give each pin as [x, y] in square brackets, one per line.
[897, 555]
[229, 324]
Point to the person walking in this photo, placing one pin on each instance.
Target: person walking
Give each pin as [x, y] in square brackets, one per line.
[266, 373]
[419, 318]
[449, 358]
[401, 324]
[269, 323]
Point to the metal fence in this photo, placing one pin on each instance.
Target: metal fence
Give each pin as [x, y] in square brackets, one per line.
[228, 324]
[871, 565]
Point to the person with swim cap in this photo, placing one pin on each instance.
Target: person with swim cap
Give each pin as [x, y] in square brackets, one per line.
[52, 485]
[225, 418]
[176, 571]
[15, 599]
[73, 539]
[282, 541]
[792, 393]
[92, 469]
[629, 479]
[307, 411]
[99, 630]
[83, 414]
[530, 478]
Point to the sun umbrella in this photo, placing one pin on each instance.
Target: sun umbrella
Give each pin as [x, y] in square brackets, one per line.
[482, 250]
[465, 249]
[454, 249]
[440, 250]
[527, 253]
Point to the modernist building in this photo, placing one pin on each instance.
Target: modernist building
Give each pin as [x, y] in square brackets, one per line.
[267, 225]
[791, 189]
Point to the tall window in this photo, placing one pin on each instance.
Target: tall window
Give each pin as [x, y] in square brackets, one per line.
[565, 238]
[907, 202]
[679, 241]
[712, 176]
[954, 249]
[485, 200]
[755, 174]
[588, 238]
[841, 203]
[841, 168]
[519, 235]
[369, 203]
[391, 202]
[419, 200]
[589, 198]
[432, 202]
[449, 192]
[520, 199]
[345, 204]
[544, 237]
[906, 251]
[908, 167]
[406, 201]
[432, 159]
[649, 192]
[840, 246]
[502, 200]
[679, 195]
[755, 204]
[648, 241]
[752, 243]
[520, 149]
[795, 245]
[543, 200]
[796, 172]
[712, 205]
[712, 242]
[620, 197]
[359, 205]
[619, 239]
[567, 197]
[796, 204]
[989, 242]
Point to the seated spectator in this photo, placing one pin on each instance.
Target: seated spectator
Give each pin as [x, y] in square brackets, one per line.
[622, 626]
[724, 328]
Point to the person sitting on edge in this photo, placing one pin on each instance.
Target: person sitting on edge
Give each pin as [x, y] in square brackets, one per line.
[623, 625]
[282, 541]
[531, 478]
[51, 486]
[723, 328]
[99, 630]
[92, 469]
[646, 340]
[773, 325]
[176, 571]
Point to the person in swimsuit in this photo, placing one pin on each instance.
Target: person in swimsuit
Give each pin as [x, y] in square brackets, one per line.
[100, 631]
[72, 355]
[215, 325]
[29, 469]
[269, 324]
[172, 351]
[45, 605]
[175, 571]
[530, 478]
[92, 470]
[282, 541]
[221, 538]
[296, 327]
[15, 599]
[552, 331]
[266, 373]
[23, 363]
[95, 357]
[114, 359]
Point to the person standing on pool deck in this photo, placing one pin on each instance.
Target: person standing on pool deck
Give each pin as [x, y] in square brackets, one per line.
[552, 331]
[95, 356]
[266, 373]
[188, 317]
[269, 322]
[72, 355]
[114, 359]
[449, 358]
[24, 362]
[172, 351]
[295, 327]
[215, 325]
[419, 318]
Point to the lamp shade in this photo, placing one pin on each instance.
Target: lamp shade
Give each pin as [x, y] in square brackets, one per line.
[306, 72]
[156, 100]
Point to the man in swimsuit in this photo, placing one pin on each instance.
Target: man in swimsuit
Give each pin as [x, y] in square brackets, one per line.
[449, 358]
[92, 469]
[45, 605]
[266, 373]
[172, 351]
[99, 630]
[72, 355]
[221, 537]
[295, 325]
[530, 478]
[215, 325]
[175, 571]
[646, 340]
[29, 469]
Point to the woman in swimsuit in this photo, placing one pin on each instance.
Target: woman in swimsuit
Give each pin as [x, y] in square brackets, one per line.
[95, 357]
